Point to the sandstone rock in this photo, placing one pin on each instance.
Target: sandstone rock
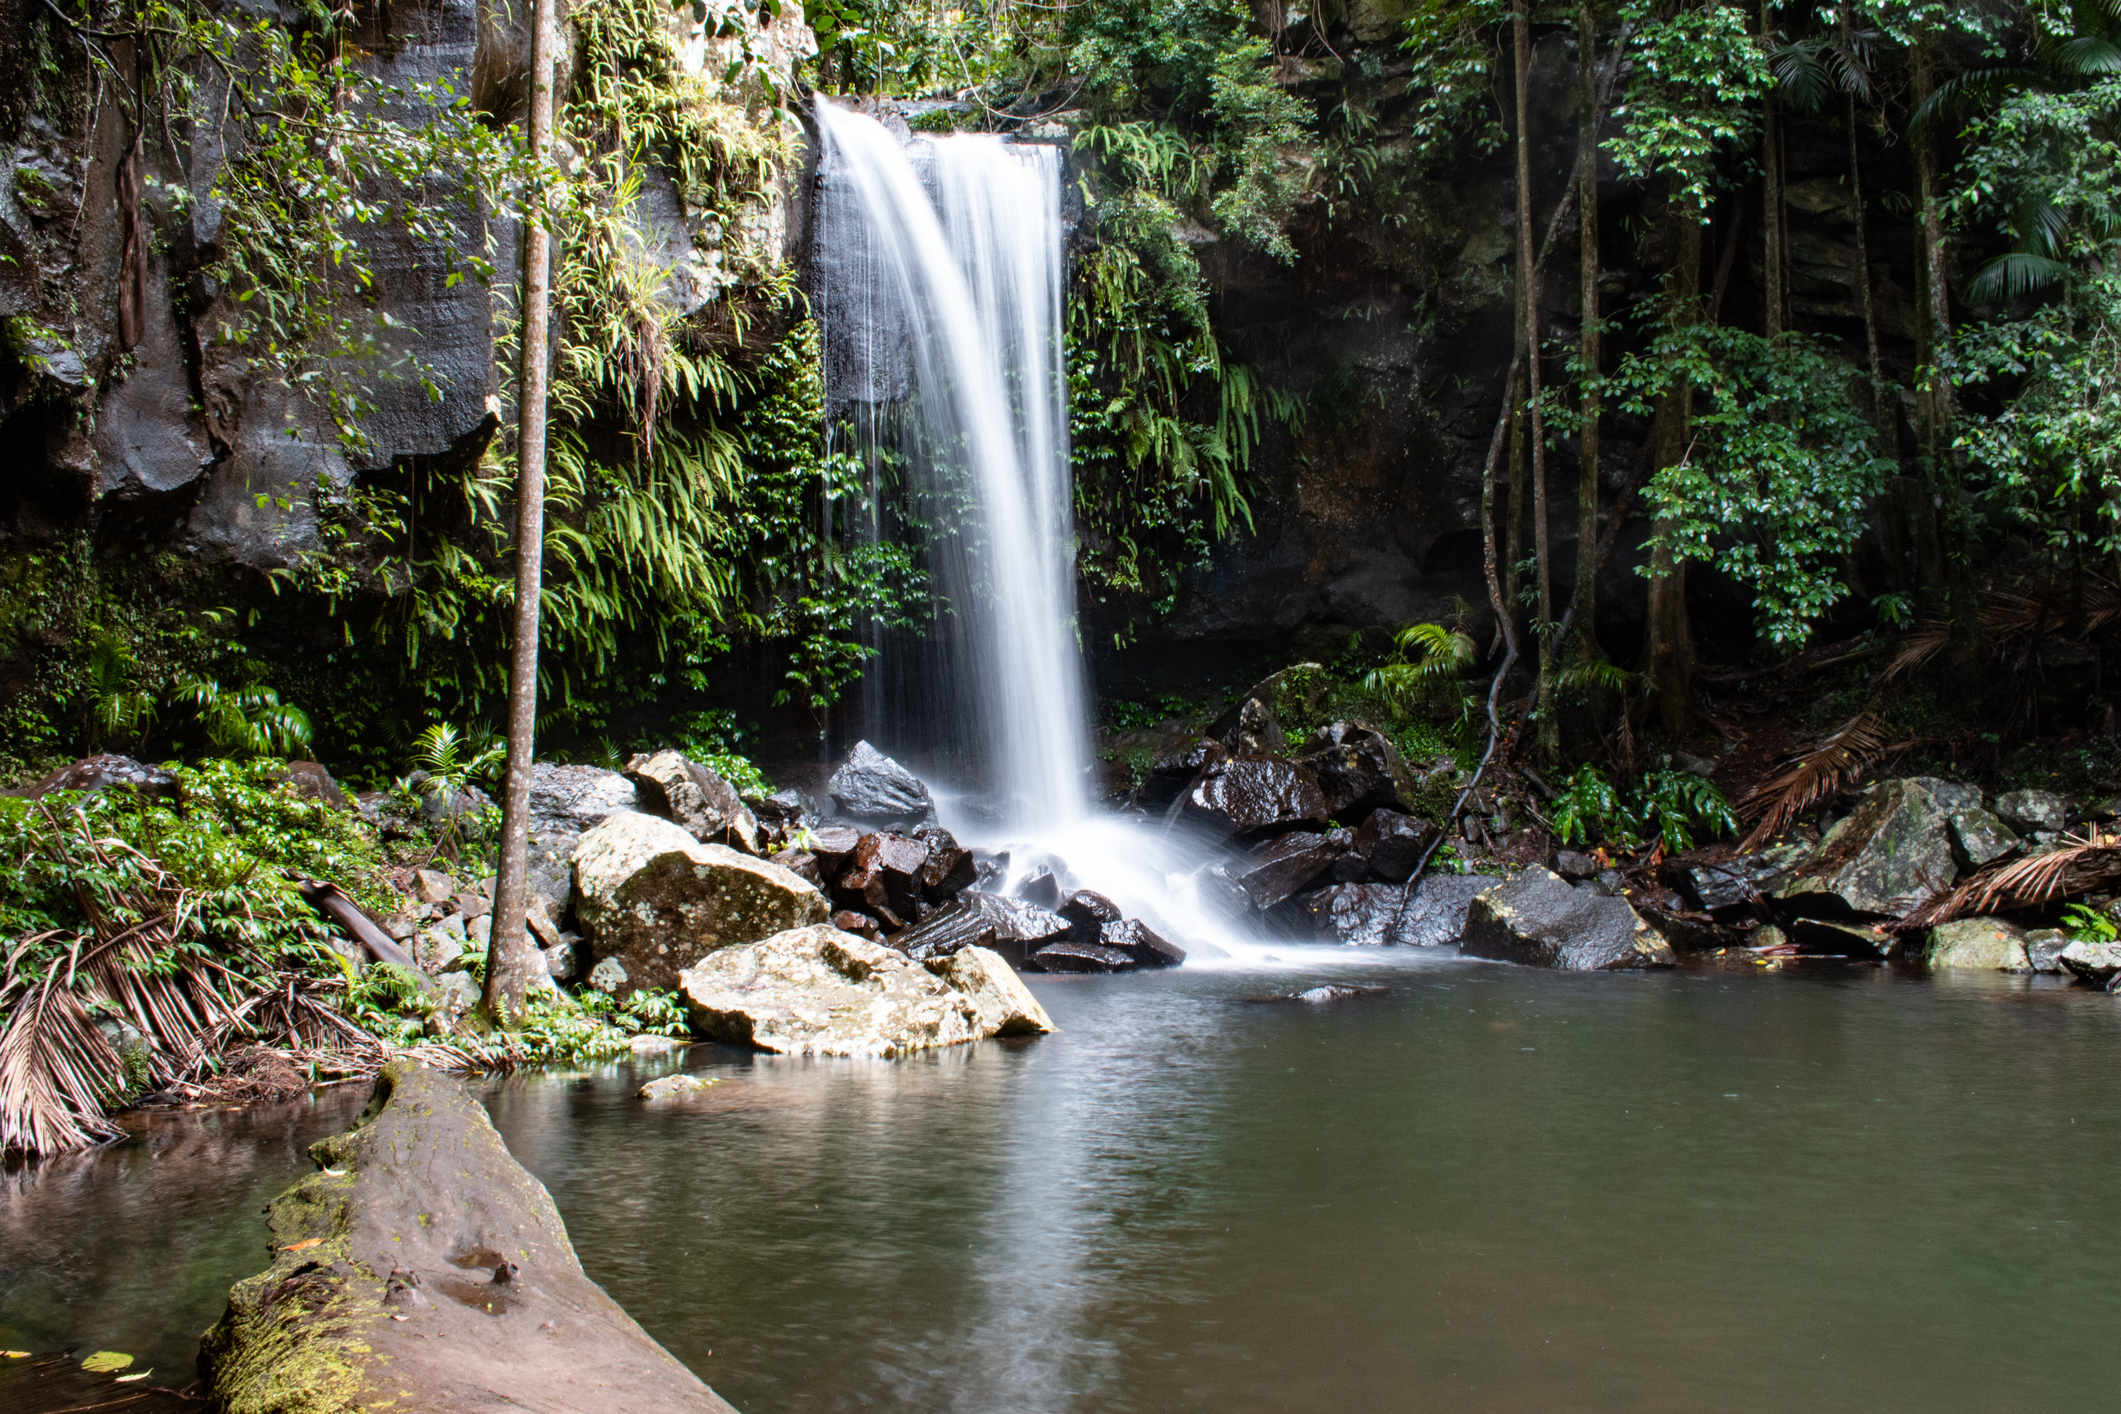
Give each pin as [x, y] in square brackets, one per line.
[1003, 1003]
[647, 1044]
[565, 803]
[1891, 851]
[432, 886]
[2096, 963]
[818, 991]
[420, 1211]
[695, 799]
[105, 772]
[1069, 956]
[1391, 844]
[608, 976]
[883, 878]
[872, 787]
[655, 899]
[1138, 941]
[1358, 770]
[1253, 797]
[1989, 944]
[1009, 926]
[1535, 918]
[560, 960]
[2033, 809]
[1286, 865]
[1978, 837]
[1087, 913]
[673, 1087]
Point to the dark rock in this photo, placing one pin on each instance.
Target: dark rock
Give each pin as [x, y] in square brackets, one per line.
[873, 787]
[1739, 884]
[803, 863]
[311, 781]
[1536, 919]
[1138, 941]
[785, 814]
[989, 870]
[1070, 956]
[1391, 845]
[1174, 775]
[423, 1197]
[1251, 729]
[2043, 949]
[1087, 914]
[883, 879]
[950, 869]
[2095, 963]
[1375, 915]
[1254, 797]
[1572, 866]
[1009, 926]
[859, 924]
[1979, 837]
[2033, 809]
[1040, 886]
[1254, 726]
[105, 772]
[833, 846]
[1285, 865]
[694, 798]
[1358, 771]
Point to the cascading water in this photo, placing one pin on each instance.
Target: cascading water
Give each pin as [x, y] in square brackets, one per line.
[939, 289]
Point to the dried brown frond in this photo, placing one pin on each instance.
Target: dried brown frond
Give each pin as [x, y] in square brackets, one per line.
[1814, 776]
[1916, 648]
[2024, 883]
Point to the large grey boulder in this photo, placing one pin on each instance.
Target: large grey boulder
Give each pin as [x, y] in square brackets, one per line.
[1983, 944]
[2096, 963]
[1538, 919]
[873, 788]
[423, 1268]
[1374, 915]
[1254, 797]
[1893, 849]
[820, 992]
[655, 900]
[1979, 837]
[2034, 809]
[694, 798]
[566, 802]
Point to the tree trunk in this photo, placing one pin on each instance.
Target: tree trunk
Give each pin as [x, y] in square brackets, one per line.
[1584, 602]
[1527, 270]
[1669, 658]
[1771, 254]
[1933, 399]
[510, 959]
[1885, 399]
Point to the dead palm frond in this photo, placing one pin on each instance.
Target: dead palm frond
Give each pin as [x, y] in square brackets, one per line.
[2024, 883]
[1824, 770]
[2012, 618]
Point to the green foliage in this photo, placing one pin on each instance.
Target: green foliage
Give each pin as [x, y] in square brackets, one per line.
[2086, 924]
[1671, 807]
[250, 721]
[1428, 662]
[714, 740]
[1696, 75]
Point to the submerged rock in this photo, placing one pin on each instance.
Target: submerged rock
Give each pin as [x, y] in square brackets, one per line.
[1537, 919]
[820, 992]
[874, 788]
[676, 1087]
[1329, 993]
[654, 899]
[425, 1269]
[1139, 941]
[1067, 955]
[695, 799]
[1256, 796]
[1009, 926]
[1990, 944]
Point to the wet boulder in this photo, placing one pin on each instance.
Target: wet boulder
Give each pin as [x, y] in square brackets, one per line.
[1893, 850]
[2044, 948]
[883, 878]
[1087, 913]
[1009, 926]
[1040, 886]
[1287, 864]
[422, 1257]
[817, 991]
[1535, 918]
[1381, 915]
[567, 802]
[1253, 797]
[803, 863]
[651, 897]
[106, 772]
[1139, 941]
[2095, 963]
[1986, 944]
[1068, 955]
[1254, 726]
[1739, 883]
[695, 799]
[2033, 810]
[783, 815]
[833, 846]
[1979, 837]
[1358, 770]
[950, 869]
[873, 788]
[1173, 776]
[1004, 1004]
[1390, 845]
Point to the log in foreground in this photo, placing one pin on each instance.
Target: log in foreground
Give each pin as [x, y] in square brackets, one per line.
[425, 1270]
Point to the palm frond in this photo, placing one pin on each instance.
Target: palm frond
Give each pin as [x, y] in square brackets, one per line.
[2014, 275]
[2088, 55]
[2022, 883]
[1812, 777]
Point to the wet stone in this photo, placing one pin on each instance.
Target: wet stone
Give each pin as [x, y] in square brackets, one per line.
[1979, 837]
[1138, 941]
[1358, 770]
[1039, 887]
[1254, 797]
[1390, 844]
[1987, 944]
[695, 799]
[1536, 919]
[1087, 913]
[1285, 865]
[1173, 775]
[1068, 956]
[883, 877]
[873, 787]
[1010, 926]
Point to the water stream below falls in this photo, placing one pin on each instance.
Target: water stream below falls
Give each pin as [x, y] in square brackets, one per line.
[1491, 1189]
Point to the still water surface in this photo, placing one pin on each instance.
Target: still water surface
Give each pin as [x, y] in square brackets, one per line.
[1492, 1189]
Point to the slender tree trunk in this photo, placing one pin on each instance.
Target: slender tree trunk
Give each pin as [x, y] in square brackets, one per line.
[510, 959]
[1513, 538]
[1669, 659]
[1527, 275]
[1933, 400]
[1771, 256]
[1584, 602]
[1885, 399]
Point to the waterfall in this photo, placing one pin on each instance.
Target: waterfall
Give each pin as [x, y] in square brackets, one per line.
[940, 293]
